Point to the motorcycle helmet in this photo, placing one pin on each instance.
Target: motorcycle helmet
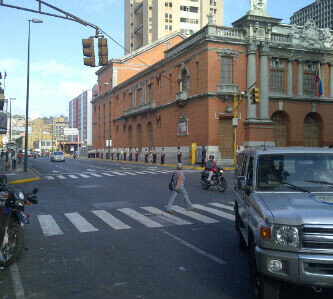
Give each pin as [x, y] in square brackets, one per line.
[211, 157]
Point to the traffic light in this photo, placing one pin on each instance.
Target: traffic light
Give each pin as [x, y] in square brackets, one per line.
[88, 51]
[103, 51]
[254, 96]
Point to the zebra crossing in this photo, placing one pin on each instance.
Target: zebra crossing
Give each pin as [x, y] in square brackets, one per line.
[147, 216]
[108, 173]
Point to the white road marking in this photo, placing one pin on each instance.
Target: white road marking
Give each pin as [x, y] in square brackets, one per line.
[107, 174]
[140, 218]
[84, 175]
[138, 172]
[220, 205]
[110, 220]
[49, 177]
[96, 175]
[118, 173]
[49, 226]
[130, 173]
[149, 172]
[61, 177]
[17, 284]
[162, 171]
[91, 169]
[166, 216]
[80, 223]
[194, 215]
[196, 249]
[215, 212]
[73, 176]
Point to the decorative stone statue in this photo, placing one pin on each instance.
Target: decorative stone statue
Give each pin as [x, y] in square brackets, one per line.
[258, 7]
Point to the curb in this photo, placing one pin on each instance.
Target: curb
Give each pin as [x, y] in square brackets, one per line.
[166, 165]
[23, 181]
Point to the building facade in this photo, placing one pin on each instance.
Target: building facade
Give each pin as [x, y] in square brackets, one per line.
[80, 117]
[321, 11]
[188, 96]
[149, 20]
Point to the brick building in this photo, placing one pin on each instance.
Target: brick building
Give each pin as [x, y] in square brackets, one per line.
[187, 96]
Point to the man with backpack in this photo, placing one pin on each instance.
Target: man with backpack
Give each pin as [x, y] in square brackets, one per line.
[178, 180]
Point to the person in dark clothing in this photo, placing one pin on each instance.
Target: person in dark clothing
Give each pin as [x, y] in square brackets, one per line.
[146, 155]
[163, 156]
[130, 158]
[203, 156]
[154, 155]
[179, 155]
[136, 155]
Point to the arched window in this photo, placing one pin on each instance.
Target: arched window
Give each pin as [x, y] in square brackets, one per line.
[139, 137]
[312, 129]
[150, 134]
[184, 80]
[130, 137]
[281, 128]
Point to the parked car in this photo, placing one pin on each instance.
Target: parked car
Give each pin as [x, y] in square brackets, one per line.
[283, 211]
[57, 156]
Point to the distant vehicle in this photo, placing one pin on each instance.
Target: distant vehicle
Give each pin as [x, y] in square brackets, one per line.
[57, 156]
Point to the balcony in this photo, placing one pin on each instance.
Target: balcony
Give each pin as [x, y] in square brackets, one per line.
[140, 109]
[181, 98]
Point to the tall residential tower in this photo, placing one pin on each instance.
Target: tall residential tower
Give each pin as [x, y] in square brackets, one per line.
[149, 20]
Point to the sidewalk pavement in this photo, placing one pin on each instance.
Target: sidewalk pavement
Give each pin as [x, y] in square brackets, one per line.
[166, 165]
[17, 176]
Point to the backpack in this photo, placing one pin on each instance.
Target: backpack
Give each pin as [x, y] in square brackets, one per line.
[172, 183]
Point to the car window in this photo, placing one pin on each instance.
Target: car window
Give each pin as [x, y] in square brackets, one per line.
[243, 166]
[238, 166]
[58, 153]
[249, 175]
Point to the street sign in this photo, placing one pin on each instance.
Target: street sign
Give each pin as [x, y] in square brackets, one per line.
[71, 131]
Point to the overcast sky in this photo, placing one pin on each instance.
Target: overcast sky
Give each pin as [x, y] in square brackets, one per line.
[57, 73]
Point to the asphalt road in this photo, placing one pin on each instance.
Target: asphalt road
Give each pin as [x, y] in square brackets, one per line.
[100, 231]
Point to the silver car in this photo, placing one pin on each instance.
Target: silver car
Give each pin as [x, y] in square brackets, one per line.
[57, 156]
[284, 217]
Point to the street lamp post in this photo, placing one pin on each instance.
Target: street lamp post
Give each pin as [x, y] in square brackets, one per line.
[10, 118]
[27, 102]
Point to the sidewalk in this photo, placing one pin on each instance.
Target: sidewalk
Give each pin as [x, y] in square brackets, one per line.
[18, 176]
[187, 166]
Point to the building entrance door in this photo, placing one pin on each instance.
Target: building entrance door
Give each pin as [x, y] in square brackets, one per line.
[311, 131]
[280, 131]
[226, 138]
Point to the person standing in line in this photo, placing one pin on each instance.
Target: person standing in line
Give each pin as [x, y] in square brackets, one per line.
[9, 160]
[125, 154]
[179, 179]
[163, 156]
[19, 156]
[130, 158]
[146, 155]
[154, 155]
[136, 155]
[14, 160]
[112, 152]
[203, 156]
[179, 155]
[118, 154]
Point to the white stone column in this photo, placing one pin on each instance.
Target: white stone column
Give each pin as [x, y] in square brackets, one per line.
[322, 75]
[264, 82]
[300, 78]
[251, 76]
[290, 78]
[331, 79]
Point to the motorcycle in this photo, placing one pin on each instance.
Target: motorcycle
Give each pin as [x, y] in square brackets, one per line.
[217, 180]
[12, 218]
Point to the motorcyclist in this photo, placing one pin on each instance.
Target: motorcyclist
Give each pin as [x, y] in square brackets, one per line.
[211, 168]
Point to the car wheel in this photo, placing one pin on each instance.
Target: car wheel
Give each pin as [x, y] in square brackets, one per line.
[262, 287]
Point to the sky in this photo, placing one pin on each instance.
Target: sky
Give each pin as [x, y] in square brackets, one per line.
[57, 73]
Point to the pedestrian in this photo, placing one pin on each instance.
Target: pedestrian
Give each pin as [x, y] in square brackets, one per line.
[203, 156]
[179, 155]
[130, 158]
[14, 160]
[125, 154]
[2, 154]
[112, 153]
[179, 179]
[9, 160]
[163, 156]
[154, 155]
[118, 154]
[136, 155]
[146, 155]
[19, 156]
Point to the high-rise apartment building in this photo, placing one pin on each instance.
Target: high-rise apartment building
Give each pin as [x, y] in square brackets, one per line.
[149, 20]
[320, 11]
[80, 117]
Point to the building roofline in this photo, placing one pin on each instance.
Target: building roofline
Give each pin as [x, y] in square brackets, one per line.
[141, 50]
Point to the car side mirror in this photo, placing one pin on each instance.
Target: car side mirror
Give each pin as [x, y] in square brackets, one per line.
[242, 183]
